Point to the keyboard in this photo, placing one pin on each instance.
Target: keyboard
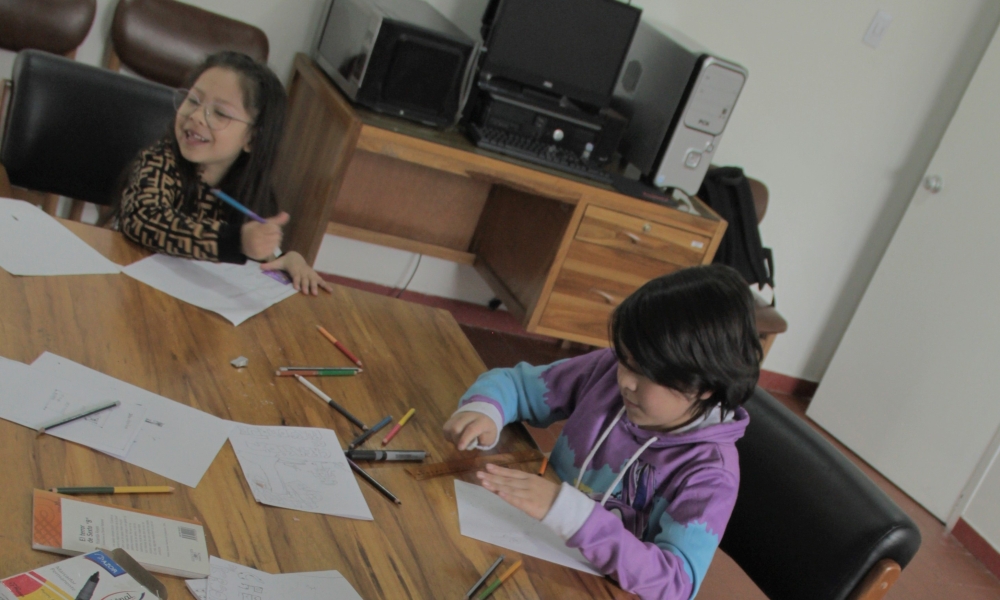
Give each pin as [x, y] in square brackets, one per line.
[533, 151]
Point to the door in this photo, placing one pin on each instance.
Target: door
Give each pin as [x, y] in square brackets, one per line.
[914, 387]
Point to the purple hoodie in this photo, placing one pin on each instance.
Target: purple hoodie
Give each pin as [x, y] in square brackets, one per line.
[657, 532]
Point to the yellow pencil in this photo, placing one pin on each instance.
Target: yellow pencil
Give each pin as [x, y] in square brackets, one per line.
[118, 489]
[493, 586]
[392, 433]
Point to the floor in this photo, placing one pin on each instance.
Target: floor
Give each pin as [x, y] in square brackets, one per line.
[941, 570]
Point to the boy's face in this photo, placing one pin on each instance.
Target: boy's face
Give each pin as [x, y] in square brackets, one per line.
[651, 405]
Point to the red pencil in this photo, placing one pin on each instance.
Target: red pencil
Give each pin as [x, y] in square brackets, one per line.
[339, 346]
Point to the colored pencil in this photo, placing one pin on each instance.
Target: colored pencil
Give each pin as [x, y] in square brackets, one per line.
[118, 489]
[485, 576]
[86, 412]
[318, 368]
[332, 404]
[545, 463]
[378, 486]
[493, 586]
[364, 436]
[319, 373]
[232, 202]
[392, 432]
[341, 347]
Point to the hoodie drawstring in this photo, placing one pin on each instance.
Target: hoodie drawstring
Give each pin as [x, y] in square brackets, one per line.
[593, 451]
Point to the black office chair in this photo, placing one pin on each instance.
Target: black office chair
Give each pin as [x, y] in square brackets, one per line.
[807, 522]
[71, 129]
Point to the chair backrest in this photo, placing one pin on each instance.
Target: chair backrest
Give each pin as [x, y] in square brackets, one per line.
[807, 522]
[57, 26]
[71, 129]
[164, 40]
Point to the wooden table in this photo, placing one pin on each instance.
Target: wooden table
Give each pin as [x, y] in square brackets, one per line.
[560, 251]
[413, 355]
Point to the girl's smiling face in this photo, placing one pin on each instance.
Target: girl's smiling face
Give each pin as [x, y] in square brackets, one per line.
[215, 149]
[651, 405]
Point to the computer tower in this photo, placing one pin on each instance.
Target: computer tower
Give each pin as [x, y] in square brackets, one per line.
[678, 98]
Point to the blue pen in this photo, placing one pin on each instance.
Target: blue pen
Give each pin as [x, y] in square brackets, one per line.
[232, 202]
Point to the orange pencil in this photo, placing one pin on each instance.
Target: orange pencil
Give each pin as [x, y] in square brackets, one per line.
[545, 463]
[339, 346]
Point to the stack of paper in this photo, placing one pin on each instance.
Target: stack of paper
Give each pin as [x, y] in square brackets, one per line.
[484, 516]
[301, 468]
[33, 243]
[147, 430]
[230, 581]
[237, 292]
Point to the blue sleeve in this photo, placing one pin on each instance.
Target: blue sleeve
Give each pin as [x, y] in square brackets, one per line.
[519, 393]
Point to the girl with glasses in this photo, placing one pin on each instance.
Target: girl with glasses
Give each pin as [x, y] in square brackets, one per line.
[225, 136]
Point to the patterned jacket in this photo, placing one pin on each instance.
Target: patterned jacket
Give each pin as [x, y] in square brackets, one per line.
[152, 212]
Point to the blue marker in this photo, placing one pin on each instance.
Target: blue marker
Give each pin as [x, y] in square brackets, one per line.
[232, 202]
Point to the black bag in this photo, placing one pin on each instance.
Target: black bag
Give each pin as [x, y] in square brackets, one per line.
[727, 191]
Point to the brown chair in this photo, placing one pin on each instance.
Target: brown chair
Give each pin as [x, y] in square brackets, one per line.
[769, 322]
[163, 40]
[56, 26]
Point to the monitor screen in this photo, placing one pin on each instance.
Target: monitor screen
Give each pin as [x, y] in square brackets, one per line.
[572, 48]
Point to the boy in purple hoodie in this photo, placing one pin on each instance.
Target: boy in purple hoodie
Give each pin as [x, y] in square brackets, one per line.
[647, 455]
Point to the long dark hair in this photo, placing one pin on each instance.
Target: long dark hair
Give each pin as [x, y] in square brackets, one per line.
[249, 177]
[692, 331]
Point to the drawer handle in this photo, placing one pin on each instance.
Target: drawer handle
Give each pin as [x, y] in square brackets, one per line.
[607, 297]
[635, 239]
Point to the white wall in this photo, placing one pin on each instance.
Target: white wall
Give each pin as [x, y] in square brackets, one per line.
[840, 132]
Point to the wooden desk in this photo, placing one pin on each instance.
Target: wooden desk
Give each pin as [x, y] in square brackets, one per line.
[560, 251]
[413, 355]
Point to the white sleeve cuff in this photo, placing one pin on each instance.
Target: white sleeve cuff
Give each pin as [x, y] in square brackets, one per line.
[569, 512]
[490, 411]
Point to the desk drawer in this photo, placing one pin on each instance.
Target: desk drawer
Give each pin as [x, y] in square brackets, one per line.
[646, 237]
[593, 280]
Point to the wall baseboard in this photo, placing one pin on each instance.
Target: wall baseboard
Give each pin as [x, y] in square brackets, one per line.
[776, 382]
[978, 546]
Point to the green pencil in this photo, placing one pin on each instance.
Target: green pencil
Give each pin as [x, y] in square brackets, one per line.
[319, 373]
[493, 586]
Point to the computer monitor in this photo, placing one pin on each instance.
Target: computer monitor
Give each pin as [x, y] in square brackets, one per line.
[572, 48]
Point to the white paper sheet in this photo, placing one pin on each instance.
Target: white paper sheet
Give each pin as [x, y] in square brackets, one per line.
[230, 581]
[237, 292]
[33, 243]
[174, 440]
[30, 398]
[484, 516]
[302, 468]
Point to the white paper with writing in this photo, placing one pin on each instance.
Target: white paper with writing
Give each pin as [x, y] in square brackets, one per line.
[174, 440]
[230, 581]
[301, 468]
[237, 292]
[31, 398]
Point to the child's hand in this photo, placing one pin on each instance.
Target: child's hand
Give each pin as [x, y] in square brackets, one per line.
[304, 278]
[530, 493]
[464, 428]
[260, 240]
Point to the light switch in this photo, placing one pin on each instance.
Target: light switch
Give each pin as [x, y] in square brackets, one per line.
[877, 29]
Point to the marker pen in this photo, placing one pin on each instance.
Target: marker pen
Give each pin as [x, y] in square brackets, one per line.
[387, 455]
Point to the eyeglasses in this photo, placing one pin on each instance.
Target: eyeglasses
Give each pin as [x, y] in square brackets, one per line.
[217, 116]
